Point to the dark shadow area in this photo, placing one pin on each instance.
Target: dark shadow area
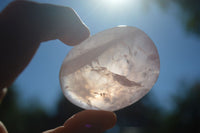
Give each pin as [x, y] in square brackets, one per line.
[149, 118]
[145, 115]
[34, 119]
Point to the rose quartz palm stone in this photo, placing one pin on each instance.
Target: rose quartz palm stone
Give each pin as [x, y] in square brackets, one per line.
[110, 70]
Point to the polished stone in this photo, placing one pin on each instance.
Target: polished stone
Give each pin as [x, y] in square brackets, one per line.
[110, 70]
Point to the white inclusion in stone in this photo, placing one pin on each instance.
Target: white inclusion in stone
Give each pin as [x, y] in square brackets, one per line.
[110, 70]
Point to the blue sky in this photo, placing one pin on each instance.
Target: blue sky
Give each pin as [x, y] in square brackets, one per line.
[178, 50]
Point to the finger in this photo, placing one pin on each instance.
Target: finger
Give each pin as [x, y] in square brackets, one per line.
[91, 120]
[63, 23]
[2, 94]
[24, 25]
[2, 128]
[88, 121]
[47, 22]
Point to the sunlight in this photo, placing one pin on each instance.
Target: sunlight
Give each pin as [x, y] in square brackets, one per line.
[120, 6]
[116, 3]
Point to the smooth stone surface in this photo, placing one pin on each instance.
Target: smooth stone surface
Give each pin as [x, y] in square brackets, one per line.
[110, 70]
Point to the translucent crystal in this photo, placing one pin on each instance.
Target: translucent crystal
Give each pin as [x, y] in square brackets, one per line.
[110, 70]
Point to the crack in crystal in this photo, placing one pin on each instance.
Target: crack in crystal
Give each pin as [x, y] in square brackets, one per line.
[119, 78]
[124, 81]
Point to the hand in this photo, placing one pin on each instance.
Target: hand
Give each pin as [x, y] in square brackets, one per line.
[23, 26]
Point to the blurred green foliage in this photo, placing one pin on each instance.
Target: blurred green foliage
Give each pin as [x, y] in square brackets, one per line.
[190, 13]
[33, 119]
[145, 115]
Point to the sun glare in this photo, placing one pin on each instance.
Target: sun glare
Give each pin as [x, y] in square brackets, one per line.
[115, 3]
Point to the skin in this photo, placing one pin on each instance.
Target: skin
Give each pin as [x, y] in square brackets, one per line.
[23, 26]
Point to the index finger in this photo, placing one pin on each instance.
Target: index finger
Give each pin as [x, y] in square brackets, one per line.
[45, 22]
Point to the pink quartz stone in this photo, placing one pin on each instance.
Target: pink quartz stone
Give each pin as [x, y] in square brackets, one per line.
[110, 70]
